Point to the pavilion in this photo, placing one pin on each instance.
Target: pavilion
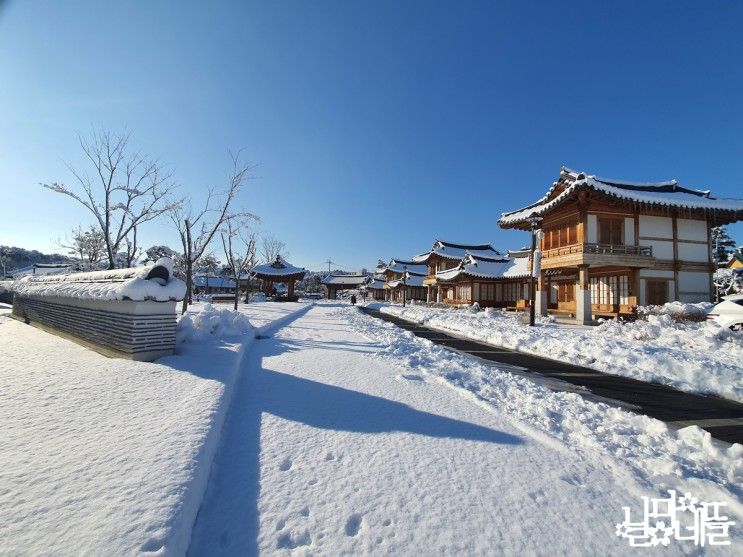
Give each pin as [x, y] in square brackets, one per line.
[279, 272]
[334, 283]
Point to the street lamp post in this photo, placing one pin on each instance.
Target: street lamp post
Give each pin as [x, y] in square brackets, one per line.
[534, 221]
[404, 272]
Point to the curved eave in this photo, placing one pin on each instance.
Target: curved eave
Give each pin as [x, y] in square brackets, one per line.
[716, 215]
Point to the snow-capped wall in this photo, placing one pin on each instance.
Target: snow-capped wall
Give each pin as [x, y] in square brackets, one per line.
[154, 282]
[127, 313]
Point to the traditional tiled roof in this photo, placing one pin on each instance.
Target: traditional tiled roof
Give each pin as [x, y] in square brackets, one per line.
[376, 283]
[411, 280]
[485, 268]
[345, 280]
[450, 250]
[202, 281]
[396, 266]
[278, 269]
[664, 194]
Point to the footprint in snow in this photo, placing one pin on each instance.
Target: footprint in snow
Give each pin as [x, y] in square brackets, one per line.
[411, 377]
[285, 464]
[305, 512]
[353, 524]
[287, 541]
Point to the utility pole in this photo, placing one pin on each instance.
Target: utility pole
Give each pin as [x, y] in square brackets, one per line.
[329, 262]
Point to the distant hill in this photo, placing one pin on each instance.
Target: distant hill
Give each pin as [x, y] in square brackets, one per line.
[18, 258]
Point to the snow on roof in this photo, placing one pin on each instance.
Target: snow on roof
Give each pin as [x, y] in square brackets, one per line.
[411, 280]
[488, 268]
[41, 269]
[396, 266]
[376, 283]
[153, 282]
[279, 268]
[213, 282]
[346, 280]
[450, 250]
[669, 194]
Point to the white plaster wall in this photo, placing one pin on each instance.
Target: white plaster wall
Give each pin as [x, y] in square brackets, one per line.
[656, 227]
[652, 273]
[693, 282]
[629, 232]
[662, 249]
[592, 227]
[689, 229]
[693, 252]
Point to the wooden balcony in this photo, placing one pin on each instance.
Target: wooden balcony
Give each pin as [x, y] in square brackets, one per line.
[597, 255]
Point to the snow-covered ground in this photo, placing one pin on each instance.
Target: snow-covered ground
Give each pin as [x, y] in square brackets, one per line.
[351, 436]
[105, 456]
[697, 357]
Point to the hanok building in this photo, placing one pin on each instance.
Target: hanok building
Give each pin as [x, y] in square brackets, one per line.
[407, 275]
[338, 283]
[609, 246]
[374, 287]
[491, 282]
[444, 256]
[279, 272]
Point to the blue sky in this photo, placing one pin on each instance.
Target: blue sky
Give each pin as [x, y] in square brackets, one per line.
[376, 127]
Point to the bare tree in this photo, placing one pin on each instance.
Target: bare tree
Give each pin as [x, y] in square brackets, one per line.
[88, 246]
[127, 189]
[197, 229]
[239, 250]
[271, 248]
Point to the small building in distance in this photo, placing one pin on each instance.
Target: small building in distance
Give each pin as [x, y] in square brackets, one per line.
[611, 245]
[412, 281]
[336, 283]
[278, 272]
[374, 287]
[444, 256]
[501, 282]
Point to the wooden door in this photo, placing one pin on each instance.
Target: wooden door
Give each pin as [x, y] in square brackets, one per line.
[657, 292]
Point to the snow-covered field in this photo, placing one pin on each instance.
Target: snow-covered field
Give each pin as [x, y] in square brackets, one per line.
[105, 456]
[349, 436]
[345, 435]
[697, 357]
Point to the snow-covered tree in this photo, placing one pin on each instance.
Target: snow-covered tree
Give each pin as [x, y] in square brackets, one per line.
[727, 281]
[86, 246]
[154, 253]
[126, 190]
[722, 245]
[207, 265]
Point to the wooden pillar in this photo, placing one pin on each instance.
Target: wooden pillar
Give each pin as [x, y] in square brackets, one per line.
[290, 288]
[583, 312]
[541, 300]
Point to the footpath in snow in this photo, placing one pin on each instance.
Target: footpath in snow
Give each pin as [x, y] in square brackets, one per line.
[697, 357]
[350, 436]
[105, 456]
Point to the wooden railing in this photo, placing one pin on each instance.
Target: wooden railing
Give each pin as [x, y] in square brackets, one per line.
[600, 249]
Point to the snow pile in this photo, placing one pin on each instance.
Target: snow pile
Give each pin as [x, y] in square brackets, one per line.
[697, 357]
[630, 445]
[678, 311]
[116, 284]
[209, 321]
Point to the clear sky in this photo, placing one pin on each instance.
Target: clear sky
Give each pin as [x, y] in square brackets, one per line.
[376, 126]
